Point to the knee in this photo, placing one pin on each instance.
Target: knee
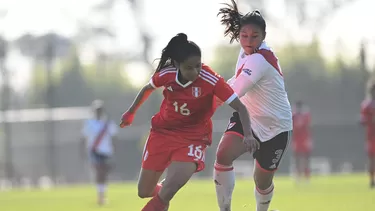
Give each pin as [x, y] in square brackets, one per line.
[263, 184]
[144, 192]
[223, 157]
[171, 188]
[263, 181]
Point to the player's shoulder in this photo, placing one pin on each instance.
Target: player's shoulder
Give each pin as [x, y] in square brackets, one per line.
[258, 59]
[266, 57]
[167, 72]
[366, 103]
[208, 75]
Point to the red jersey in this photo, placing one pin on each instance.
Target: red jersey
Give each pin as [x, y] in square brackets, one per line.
[187, 109]
[368, 118]
[301, 126]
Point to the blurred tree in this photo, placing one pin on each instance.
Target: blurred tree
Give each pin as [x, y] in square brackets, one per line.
[72, 89]
[5, 98]
[314, 20]
[225, 58]
[34, 46]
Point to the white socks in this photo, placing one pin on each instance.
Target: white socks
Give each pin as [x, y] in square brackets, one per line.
[263, 198]
[224, 178]
[101, 188]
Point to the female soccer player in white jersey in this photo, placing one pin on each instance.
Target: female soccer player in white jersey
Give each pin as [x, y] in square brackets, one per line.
[258, 81]
[98, 134]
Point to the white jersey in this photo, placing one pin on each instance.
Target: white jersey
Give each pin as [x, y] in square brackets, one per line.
[91, 130]
[259, 83]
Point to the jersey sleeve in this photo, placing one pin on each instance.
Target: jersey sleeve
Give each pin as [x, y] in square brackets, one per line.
[159, 79]
[253, 70]
[364, 112]
[224, 92]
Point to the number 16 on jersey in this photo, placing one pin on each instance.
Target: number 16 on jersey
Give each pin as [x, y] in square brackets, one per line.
[197, 152]
[182, 109]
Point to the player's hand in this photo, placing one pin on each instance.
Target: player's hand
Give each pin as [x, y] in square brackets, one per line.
[126, 119]
[251, 143]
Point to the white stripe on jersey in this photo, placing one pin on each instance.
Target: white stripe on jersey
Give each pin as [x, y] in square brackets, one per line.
[202, 77]
[209, 77]
[166, 71]
[231, 98]
[152, 83]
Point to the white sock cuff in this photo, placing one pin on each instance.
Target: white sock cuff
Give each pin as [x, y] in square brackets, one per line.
[266, 191]
[101, 187]
[220, 167]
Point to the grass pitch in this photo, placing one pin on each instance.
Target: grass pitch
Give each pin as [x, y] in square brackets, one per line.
[342, 193]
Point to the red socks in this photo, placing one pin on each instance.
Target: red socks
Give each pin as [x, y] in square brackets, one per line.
[155, 204]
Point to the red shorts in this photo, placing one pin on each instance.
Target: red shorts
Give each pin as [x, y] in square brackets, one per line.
[161, 149]
[371, 148]
[302, 147]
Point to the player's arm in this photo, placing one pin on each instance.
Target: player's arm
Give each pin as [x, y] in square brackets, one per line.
[141, 97]
[237, 105]
[155, 82]
[254, 69]
[364, 114]
[113, 131]
[83, 139]
[226, 94]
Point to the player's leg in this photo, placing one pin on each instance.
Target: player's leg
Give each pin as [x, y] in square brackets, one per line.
[154, 161]
[148, 183]
[372, 171]
[298, 169]
[185, 161]
[371, 167]
[267, 160]
[231, 146]
[306, 164]
[102, 168]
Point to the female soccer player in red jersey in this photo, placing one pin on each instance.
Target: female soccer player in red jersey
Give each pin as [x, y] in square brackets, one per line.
[368, 120]
[182, 129]
[258, 82]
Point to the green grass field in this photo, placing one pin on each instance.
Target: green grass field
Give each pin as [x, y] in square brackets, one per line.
[334, 193]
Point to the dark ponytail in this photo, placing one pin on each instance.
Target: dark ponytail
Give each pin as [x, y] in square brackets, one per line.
[231, 18]
[178, 49]
[234, 20]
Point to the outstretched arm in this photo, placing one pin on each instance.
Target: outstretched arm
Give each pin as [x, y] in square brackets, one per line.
[142, 96]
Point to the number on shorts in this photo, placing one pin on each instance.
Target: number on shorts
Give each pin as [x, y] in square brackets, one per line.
[196, 151]
[181, 109]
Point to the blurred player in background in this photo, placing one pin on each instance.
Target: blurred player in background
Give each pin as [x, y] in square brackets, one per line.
[368, 120]
[302, 143]
[258, 81]
[182, 129]
[98, 134]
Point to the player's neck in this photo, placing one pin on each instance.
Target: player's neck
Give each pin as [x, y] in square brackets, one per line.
[100, 117]
[181, 79]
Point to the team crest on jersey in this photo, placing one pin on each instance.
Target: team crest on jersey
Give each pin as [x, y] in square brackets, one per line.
[196, 91]
[247, 71]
